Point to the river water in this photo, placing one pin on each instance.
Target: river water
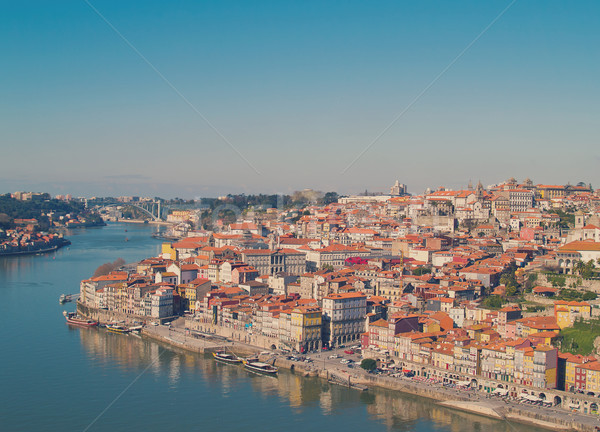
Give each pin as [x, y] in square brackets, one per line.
[55, 377]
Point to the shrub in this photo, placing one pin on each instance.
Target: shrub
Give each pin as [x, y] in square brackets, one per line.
[368, 364]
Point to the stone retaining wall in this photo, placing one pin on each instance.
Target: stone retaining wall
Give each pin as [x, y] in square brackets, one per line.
[586, 284]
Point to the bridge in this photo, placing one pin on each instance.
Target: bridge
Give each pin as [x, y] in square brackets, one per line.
[150, 208]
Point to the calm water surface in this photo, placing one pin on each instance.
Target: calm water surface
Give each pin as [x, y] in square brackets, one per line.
[57, 378]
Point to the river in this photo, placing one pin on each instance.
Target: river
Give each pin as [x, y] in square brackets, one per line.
[56, 378]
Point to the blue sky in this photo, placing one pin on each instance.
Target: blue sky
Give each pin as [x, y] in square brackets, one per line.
[299, 89]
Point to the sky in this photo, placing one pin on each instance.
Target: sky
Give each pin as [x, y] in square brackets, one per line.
[202, 98]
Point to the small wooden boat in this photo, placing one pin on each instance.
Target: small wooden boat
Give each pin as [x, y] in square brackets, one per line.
[115, 328]
[74, 319]
[226, 357]
[259, 367]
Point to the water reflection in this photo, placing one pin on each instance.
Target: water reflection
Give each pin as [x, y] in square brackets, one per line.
[405, 412]
[394, 410]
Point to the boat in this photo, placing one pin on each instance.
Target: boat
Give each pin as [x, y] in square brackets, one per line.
[115, 328]
[74, 319]
[256, 366]
[67, 298]
[226, 357]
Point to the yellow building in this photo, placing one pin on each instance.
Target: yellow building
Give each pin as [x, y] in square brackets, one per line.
[188, 295]
[306, 323]
[168, 252]
[431, 326]
[476, 330]
[528, 366]
[566, 313]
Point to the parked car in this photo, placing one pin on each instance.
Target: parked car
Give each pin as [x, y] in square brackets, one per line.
[349, 352]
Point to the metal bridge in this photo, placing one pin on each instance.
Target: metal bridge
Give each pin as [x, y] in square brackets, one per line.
[151, 208]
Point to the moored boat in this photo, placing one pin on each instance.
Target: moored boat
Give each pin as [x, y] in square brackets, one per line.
[73, 318]
[115, 328]
[226, 357]
[256, 366]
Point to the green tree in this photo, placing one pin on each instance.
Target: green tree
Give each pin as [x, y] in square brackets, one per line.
[556, 280]
[328, 198]
[420, 271]
[511, 290]
[530, 282]
[368, 364]
[493, 302]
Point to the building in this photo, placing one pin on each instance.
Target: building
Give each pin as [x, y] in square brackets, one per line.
[520, 200]
[305, 327]
[344, 317]
[161, 303]
[334, 255]
[398, 189]
[269, 262]
[566, 313]
[572, 252]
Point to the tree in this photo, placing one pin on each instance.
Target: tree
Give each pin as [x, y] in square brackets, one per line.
[530, 283]
[509, 279]
[493, 302]
[368, 364]
[511, 290]
[106, 268]
[589, 270]
[330, 197]
[420, 271]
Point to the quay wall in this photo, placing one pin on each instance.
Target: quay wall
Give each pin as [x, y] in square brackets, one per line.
[544, 420]
[458, 400]
[243, 336]
[106, 316]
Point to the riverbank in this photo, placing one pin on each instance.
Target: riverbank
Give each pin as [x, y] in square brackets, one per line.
[143, 221]
[471, 402]
[36, 251]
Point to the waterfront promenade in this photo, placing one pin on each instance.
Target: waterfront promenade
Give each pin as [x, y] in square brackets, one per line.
[322, 366]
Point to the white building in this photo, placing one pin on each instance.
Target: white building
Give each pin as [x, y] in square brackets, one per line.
[520, 200]
[343, 317]
[161, 303]
[268, 262]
